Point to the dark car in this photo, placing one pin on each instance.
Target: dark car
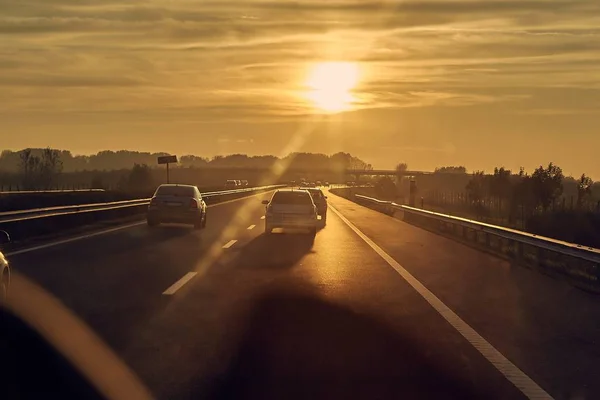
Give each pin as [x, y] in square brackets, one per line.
[320, 201]
[4, 269]
[177, 204]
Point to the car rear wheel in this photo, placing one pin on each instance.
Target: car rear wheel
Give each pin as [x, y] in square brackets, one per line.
[313, 232]
[204, 221]
[268, 230]
[198, 224]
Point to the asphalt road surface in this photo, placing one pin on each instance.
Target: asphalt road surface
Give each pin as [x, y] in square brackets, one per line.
[373, 308]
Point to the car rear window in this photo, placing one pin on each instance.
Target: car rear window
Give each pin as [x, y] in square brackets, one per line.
[291, 198]
[180, 191]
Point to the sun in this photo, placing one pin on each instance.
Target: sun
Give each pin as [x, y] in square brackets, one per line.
[331, 85]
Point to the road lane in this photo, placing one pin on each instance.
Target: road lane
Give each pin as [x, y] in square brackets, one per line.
[332, 309]
[545, 326]
[329, 312]
[115, 281]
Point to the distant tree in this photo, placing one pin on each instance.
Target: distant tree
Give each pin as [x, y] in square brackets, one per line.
[584, 189]
[451, 170]
[140, 177]
[51, 167]
[477, 187]
[97, 182]
[547, 185]
[193, 161]
[501, 185]
[29, 167]
[522, 197]
[401, 167]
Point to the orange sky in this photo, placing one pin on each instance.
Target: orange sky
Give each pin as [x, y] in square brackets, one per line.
[477, 83]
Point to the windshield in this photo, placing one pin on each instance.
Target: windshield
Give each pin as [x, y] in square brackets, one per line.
[295, 198]
[290, 199]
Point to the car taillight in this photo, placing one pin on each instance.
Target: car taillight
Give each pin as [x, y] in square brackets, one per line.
[194, 204]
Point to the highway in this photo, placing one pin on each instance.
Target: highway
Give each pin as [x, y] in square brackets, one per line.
[373, 308]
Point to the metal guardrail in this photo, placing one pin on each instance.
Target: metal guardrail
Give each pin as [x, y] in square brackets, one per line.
[41, 212]
[26, 223]
[14, 216]
[580, 264]
[50, 191]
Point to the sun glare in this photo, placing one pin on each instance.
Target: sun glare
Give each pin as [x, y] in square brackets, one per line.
[331, 85]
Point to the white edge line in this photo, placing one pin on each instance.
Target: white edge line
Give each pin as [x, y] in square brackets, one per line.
[517, 377]
[179, 284]
[103, 232]
[230, 243]
[251, 227]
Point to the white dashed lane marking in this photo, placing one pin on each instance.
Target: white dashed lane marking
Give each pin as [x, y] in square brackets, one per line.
[179, 284]
[229, 244]
[251, 227]
[263, 217]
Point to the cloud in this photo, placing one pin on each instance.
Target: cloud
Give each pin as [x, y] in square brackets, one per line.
[247, 59]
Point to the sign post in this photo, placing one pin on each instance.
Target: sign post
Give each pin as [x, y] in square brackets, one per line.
[167, 160]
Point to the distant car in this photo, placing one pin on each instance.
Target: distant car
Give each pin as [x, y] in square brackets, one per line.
[320, 201]
[289, 208]
[244, 183]
[4, 268]
[326, 184]
[177, 204]
[230, 184]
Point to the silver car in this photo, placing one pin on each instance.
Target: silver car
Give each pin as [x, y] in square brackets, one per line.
[177, 204]
[290, 208]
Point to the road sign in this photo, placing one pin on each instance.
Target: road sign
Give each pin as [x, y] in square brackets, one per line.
[167, 159]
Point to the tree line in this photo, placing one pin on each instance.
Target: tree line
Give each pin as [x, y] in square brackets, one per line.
[42, 169]
[541, 190]
[10, 161]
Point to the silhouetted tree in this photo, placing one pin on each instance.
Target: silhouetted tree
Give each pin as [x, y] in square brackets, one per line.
[97, 182]
[451, 170]
[401, 167]
[584, 189]
[50, 167]
[501, 185]
[477, 187]
[193, 161]
[547, 185]
[29, 167]
[140, 178]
